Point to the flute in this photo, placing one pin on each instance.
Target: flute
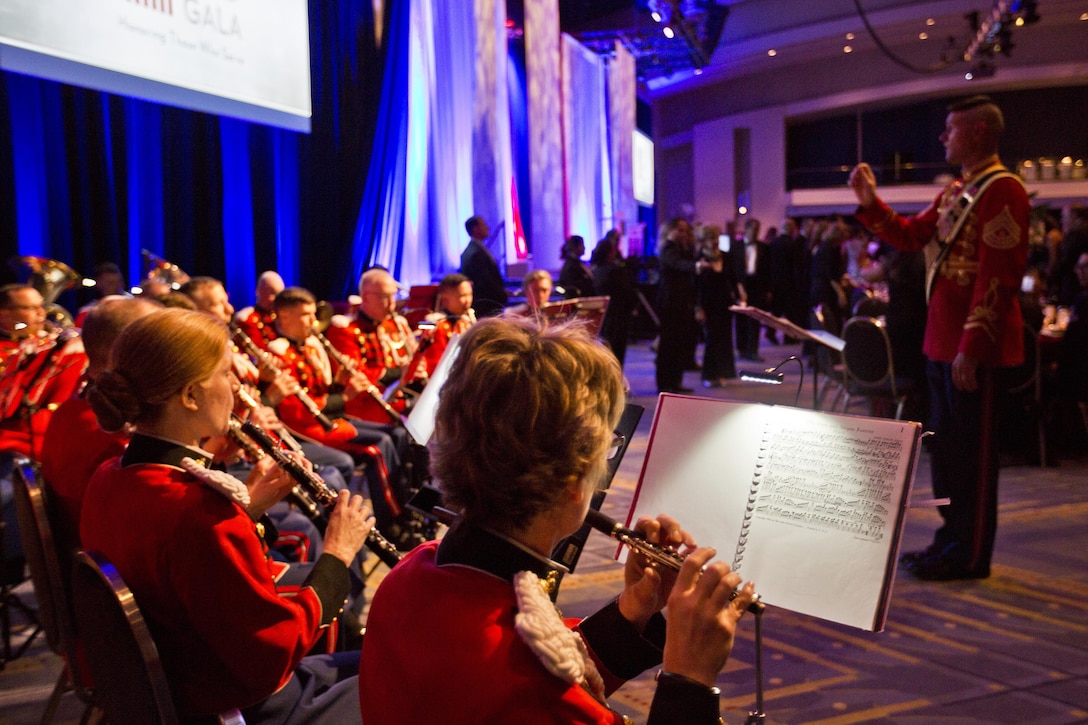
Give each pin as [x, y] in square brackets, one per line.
[312, 484]
[658, 555]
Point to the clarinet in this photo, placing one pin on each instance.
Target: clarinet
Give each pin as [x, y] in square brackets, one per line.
[266, 359]
[371, 389]
[658, 555]
[312, 485]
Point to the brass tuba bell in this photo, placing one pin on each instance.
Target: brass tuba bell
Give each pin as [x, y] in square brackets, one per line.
[49, 277]
[159, 271]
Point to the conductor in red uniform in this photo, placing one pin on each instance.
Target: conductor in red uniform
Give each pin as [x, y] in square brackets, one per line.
[978, 227]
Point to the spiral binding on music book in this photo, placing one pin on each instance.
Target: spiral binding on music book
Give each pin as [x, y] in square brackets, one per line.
[753, 496]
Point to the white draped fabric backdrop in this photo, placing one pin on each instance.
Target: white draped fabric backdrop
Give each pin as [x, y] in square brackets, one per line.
[458, 158]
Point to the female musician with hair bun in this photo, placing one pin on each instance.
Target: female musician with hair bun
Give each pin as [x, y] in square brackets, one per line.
[463, 631]
[184, 539]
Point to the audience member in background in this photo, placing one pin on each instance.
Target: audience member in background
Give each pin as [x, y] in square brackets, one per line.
[479, 265]
[575, 277]
[716, 290]
[826, 279]
[1072, 376]
[784, 256]
[469, 619]
[190, 550]
[754, 275]
[678, 336]
[611, 277]
[1064, 285]
[905, 318]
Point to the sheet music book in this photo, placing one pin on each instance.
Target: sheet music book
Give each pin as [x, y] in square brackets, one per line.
[808, 505]
[420, 422]
[590, 310]
[788, 328]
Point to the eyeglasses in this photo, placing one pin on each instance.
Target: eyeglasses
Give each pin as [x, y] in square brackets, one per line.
[616, 446]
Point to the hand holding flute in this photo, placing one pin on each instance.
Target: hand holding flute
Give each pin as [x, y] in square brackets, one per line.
[704, 597]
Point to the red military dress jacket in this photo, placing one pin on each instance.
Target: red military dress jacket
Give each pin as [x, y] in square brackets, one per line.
[973, 307]
[257, 324]
[37, 377]
[442, 647]
[382, 350]
[74, 448]
[197, 567]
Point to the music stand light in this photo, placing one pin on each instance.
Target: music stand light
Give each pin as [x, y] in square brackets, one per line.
[772, 376]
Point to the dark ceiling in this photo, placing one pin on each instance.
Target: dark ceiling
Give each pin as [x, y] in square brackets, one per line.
[722, 39]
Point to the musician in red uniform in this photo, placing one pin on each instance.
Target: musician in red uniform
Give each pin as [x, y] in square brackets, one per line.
[256, 321]
[184, 540]
[74, 445]
[380, 446]
[41, 368]
[380, 344]
[454, 317]
[470, 616]
[209, 295]
[973, 329]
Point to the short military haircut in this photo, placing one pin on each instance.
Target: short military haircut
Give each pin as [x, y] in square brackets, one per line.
[452, 281]
[293, 296]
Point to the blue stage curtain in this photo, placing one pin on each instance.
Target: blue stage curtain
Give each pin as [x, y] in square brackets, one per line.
[88, 177]
[421, 179]
[381, 214]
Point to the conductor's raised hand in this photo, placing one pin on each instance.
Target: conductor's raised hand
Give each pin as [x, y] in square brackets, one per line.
[704, 608]
[349, 524]
[863, 182]
[646, 588]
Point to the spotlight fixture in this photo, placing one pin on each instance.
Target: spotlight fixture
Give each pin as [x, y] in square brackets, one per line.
[668, 31]
[994, 32]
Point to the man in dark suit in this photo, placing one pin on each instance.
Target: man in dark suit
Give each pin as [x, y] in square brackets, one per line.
[478, 264]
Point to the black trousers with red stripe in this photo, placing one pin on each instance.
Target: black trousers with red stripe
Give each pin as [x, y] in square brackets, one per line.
[964, 462]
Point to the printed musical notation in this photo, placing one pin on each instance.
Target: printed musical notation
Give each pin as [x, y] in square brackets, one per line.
[808, 505]
[842, 481]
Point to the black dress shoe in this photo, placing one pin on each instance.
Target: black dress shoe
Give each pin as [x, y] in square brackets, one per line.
[942, 568]
[908, 558]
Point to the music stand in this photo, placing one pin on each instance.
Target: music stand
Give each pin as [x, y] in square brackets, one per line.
[819, 337]
[590, 310]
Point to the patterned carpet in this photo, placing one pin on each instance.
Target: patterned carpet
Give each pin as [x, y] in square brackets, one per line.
[1009, 649]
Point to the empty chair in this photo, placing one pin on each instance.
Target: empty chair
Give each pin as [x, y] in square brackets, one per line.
[50, 584]
[868, 370]
[130, 685]
[867, 306]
